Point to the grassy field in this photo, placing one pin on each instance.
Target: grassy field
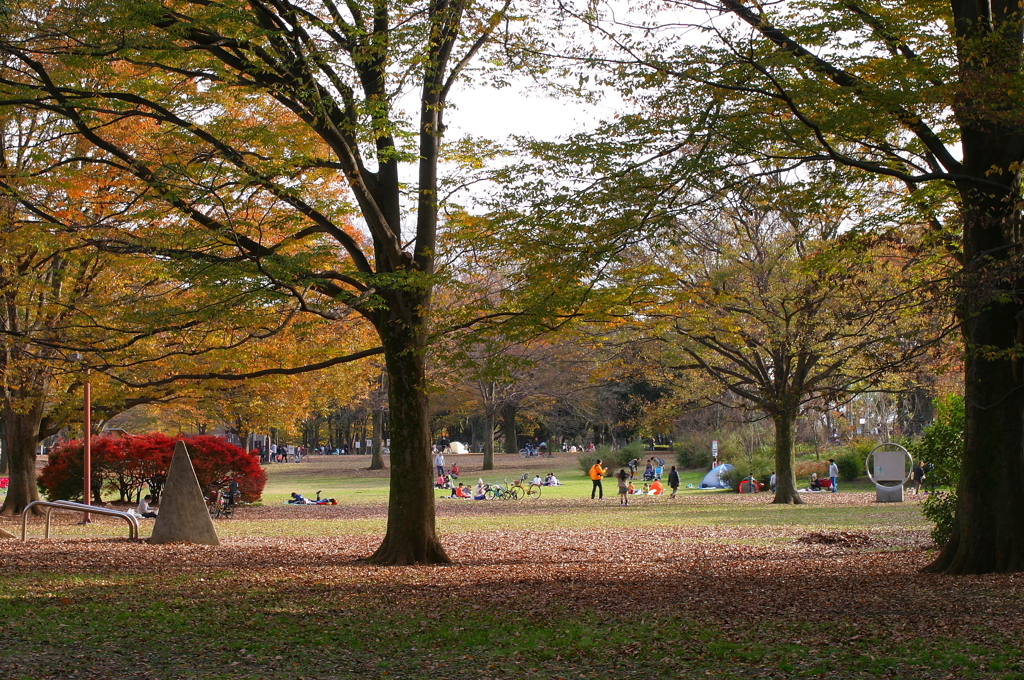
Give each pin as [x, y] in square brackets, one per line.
[709, 585]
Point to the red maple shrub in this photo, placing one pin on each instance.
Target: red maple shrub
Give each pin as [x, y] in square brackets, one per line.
[131, 463]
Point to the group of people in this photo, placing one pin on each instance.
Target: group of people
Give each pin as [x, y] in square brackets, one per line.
[652, 470]
[477, 493]
[625, 484]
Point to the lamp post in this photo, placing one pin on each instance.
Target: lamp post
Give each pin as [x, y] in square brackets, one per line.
[87, 442]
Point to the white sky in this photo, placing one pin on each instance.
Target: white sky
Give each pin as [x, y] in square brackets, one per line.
[495, 114]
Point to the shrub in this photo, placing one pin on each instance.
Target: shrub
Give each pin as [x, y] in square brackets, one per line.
[613, 459]
[693, 454]
[942, 447]
[759, 464]
[128, 464]
[218, 461]
[940, 508]
[851, 465]
[804, 468]
[942, 444]
[621, 458]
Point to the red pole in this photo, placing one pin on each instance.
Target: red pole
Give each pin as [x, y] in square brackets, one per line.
[88, 444]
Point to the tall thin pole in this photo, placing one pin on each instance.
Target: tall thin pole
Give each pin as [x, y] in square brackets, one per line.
[88, 444]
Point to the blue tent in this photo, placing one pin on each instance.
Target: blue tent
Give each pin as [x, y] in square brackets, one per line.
[713, 479]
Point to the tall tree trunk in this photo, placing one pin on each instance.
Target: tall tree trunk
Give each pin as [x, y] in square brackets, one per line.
[508, 428]
[411, 531]
[785, 477]
[22, 437]
[488, 439]
[988, 533]
[376, 448]
[990, 502]
[4, 456]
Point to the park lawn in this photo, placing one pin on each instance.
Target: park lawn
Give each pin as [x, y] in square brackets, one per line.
[710, 584]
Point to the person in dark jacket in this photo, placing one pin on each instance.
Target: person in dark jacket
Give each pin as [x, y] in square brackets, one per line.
[673, 481]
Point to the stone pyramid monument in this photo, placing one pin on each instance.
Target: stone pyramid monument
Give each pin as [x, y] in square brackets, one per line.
[183, 516]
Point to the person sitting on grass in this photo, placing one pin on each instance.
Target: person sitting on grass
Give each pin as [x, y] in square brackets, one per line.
[551, 480]
[649, 471]
[143, 510]
[478, 493]
[630, 489]
[656, 488]
[460, 491]
[536, 480]
[815, 482]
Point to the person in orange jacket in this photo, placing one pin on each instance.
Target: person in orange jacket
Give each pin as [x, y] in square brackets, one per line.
[597, 473]
[656, 488]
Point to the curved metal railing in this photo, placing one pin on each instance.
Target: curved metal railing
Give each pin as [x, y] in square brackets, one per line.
[133, 522]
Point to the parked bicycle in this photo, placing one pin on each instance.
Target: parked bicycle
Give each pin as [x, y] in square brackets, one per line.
[221, 503]
[492, 491]
[515, 491]
[521, 488]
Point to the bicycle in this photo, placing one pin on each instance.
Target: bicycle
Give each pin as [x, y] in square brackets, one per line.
[520, 488]
[221, 504]
[492, 491]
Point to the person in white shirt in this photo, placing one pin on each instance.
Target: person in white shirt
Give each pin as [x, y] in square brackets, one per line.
[143, 509]
[833, 473]
[439, 464]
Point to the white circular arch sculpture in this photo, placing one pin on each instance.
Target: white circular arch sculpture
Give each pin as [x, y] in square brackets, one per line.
[889, 466]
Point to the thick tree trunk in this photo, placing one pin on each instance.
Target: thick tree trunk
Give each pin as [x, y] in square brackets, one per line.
[4, 457]
[22, 437]
[411, 532]
[987, 535]
[785, 478]
[376, 448]
[508, 428]
[488, 439]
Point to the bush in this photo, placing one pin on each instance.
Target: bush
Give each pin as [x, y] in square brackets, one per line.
[621, 458]
[129, 464]
[693, 454]
[942, 444]
[613, 459]
[940, 508]
[803, 469]
[759, 464]
[851, 465]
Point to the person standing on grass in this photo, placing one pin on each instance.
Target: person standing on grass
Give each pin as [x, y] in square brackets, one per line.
[597, 473]
[673, 481]
[623, 478]
[917, 477]
[771, 482]
[833, 474]
[439, 463]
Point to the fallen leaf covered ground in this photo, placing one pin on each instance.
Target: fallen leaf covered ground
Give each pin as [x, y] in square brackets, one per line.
[763, 594]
